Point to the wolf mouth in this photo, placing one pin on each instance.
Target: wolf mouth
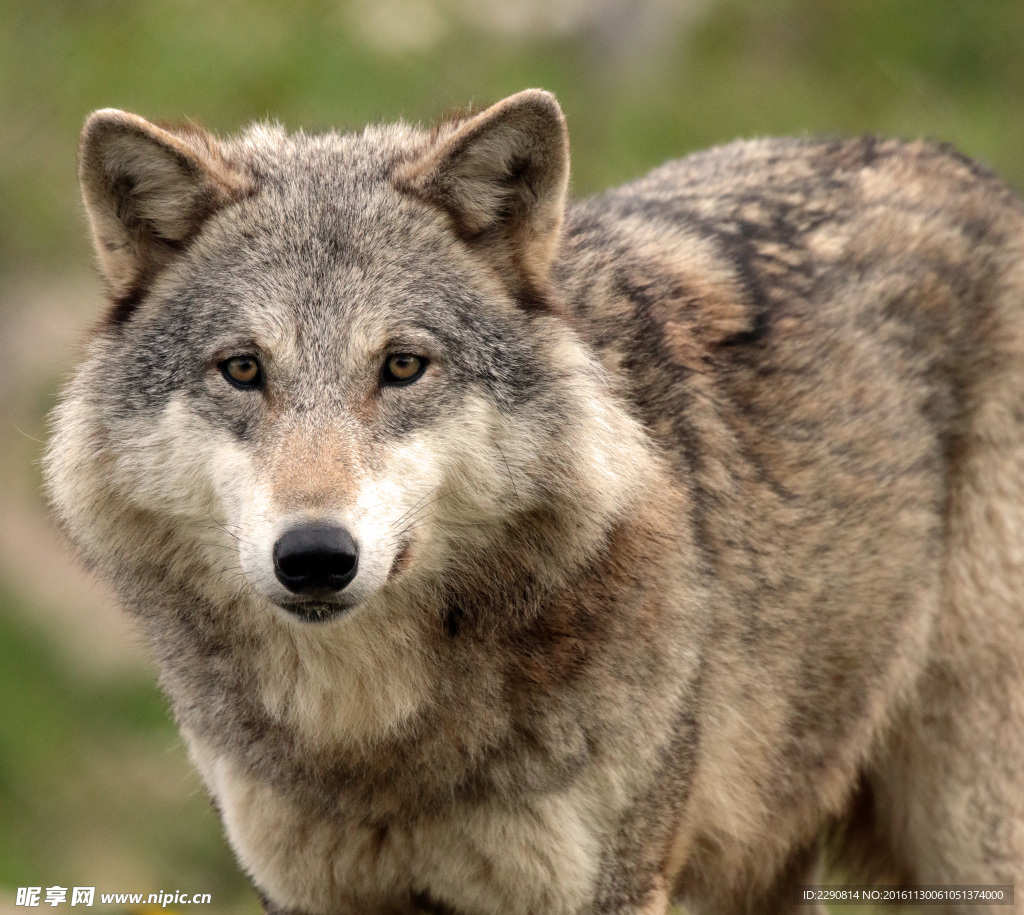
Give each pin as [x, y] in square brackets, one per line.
[314, 611]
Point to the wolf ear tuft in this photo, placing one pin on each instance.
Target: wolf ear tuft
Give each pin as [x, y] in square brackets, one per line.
[502, 177]
[147, 192]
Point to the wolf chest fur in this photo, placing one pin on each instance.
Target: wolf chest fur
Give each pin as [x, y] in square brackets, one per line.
[502, 556]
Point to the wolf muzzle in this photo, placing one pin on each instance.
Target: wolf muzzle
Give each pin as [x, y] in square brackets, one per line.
[313, 559]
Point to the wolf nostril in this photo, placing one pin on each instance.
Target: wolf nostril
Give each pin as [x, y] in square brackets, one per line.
[316, 559]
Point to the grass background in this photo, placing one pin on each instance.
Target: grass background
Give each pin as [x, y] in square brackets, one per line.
[94, 785]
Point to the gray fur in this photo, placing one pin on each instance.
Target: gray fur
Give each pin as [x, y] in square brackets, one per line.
[695, 551]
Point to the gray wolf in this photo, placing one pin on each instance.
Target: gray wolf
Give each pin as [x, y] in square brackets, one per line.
[506, 556]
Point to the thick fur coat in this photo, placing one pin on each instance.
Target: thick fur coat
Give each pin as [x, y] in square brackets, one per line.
[682, 528]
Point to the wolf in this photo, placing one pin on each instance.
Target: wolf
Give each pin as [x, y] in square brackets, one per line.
[506, 556]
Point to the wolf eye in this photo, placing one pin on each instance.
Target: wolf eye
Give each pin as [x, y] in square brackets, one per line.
[243, 372]
[403, 368]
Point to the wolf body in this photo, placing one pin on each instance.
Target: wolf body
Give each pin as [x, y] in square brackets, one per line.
[684, 525]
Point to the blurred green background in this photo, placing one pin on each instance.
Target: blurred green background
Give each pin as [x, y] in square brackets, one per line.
[95, 789]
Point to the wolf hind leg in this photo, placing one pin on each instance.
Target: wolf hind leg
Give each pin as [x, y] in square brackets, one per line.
[953, 790]
[952, 782]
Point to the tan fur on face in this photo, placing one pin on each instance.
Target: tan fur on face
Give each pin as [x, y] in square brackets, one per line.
[312, 469]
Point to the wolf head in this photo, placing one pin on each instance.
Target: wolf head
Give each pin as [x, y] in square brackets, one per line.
[333, 370]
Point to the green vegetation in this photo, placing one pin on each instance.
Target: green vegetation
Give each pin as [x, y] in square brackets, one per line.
[634, 94]
[93, 780]
[94, 786]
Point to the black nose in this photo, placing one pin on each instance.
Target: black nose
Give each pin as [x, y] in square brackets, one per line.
[315, 559]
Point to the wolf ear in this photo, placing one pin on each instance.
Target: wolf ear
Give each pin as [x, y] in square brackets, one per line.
[147, 192]
[502, 177]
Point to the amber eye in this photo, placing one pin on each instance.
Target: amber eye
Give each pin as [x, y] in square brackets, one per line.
[403, 368]
[243, 371]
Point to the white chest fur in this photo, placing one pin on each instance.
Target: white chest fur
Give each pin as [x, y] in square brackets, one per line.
[543, 857]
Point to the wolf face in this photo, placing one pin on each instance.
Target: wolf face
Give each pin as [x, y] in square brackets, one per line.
[506, 558]
[371, 440]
